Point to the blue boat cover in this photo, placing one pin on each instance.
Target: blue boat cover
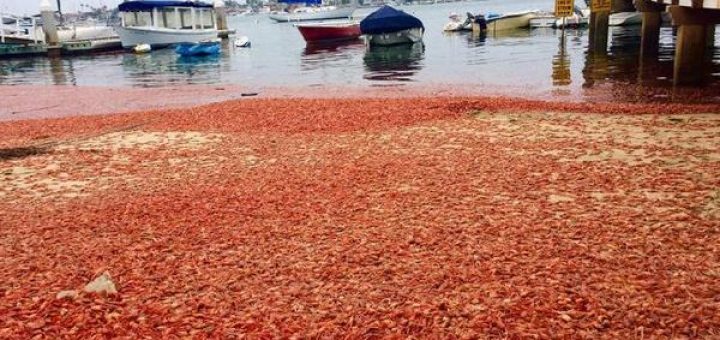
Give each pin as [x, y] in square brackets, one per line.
[145, 5]
[307, 2]
[197, 49]
[387, 20]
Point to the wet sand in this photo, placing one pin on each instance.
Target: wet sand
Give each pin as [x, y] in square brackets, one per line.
[365, 217]
[39, 102]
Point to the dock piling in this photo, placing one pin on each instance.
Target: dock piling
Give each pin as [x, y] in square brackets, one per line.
[599, 21]
[651, 22]
[50, 27]
[693, 38]
[690, 54]
[221, 14]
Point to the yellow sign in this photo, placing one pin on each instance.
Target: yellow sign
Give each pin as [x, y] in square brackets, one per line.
[600, 5]
[564, 8]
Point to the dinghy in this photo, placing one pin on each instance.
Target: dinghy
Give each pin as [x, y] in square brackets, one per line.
[198, 49]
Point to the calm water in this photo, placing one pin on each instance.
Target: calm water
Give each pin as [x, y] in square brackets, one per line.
[517, 63]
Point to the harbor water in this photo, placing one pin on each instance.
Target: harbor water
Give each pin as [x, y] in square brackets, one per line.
[517, 63]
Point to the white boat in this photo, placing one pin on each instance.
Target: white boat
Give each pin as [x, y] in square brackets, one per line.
[164, 23]
[573, 21]
[74, 33]
[543, 20]
[580, 17]
[407, 36]
[625, 19]
[457, 24]
[313, 13]
[507, 22]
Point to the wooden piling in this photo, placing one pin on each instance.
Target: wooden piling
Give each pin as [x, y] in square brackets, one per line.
[599, 31]
[650, 36]
[690, 54]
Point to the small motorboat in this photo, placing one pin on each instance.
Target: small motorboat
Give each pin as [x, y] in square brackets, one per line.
[389, 26]
[508, 21]
[242, 42]
[202, 48]
[580, 17]
[543, 20]
[329, 31]
[457, 24]
[142, 48]
[573, 21]
[313, 13]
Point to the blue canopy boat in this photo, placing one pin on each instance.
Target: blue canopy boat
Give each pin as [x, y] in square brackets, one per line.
[389, 26]
[198, 49]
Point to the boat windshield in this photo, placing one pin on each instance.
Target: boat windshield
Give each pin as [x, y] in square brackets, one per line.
[185, 18]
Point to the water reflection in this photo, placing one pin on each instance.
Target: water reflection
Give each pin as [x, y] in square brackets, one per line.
[164, 67]
[394, 63]
[61, 70]
[333, 54]
[476, 39]
[332, 48]
[561, 74]
[628, 75]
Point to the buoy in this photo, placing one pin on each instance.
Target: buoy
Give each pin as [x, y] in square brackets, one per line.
[142, 48]
[242, 42]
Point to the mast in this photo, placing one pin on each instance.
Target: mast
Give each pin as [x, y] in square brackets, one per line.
[59, 7]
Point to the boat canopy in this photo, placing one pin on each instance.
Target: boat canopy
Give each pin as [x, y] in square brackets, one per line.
[147, 5]
[387, 20]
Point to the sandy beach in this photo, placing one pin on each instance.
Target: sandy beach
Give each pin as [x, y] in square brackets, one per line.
[403, 215]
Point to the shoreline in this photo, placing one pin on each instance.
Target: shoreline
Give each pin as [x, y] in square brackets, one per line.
[23, 102]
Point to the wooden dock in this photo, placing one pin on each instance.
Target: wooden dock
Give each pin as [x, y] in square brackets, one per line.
[695, 21]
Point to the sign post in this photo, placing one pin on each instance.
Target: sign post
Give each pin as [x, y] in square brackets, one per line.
[599, 16]
[564, 8]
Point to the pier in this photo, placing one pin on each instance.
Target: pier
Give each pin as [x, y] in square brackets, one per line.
[695, 22]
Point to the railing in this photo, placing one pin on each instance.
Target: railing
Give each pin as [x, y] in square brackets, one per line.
[16, 32]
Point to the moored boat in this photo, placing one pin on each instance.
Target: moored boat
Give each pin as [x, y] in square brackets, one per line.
[457, 24]
[164, 23]
[389, 26]
[507, 21]
[313, 13]
[580, 17]
[329, 31]
[198, 49]
[543, 20]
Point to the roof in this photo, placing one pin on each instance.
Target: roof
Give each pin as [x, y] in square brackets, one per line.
[144, 5]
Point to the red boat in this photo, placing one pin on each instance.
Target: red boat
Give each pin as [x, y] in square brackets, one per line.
[329, 31]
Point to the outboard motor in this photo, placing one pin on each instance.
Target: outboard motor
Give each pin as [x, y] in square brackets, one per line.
[480, 21]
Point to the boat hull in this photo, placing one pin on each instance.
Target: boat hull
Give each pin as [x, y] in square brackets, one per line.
[339, 13]
[158, 38]
[625, 19]
[507, 22]
[543, 22]
[329, 32]
[574, 21]
[408, 36]
[456, 26]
